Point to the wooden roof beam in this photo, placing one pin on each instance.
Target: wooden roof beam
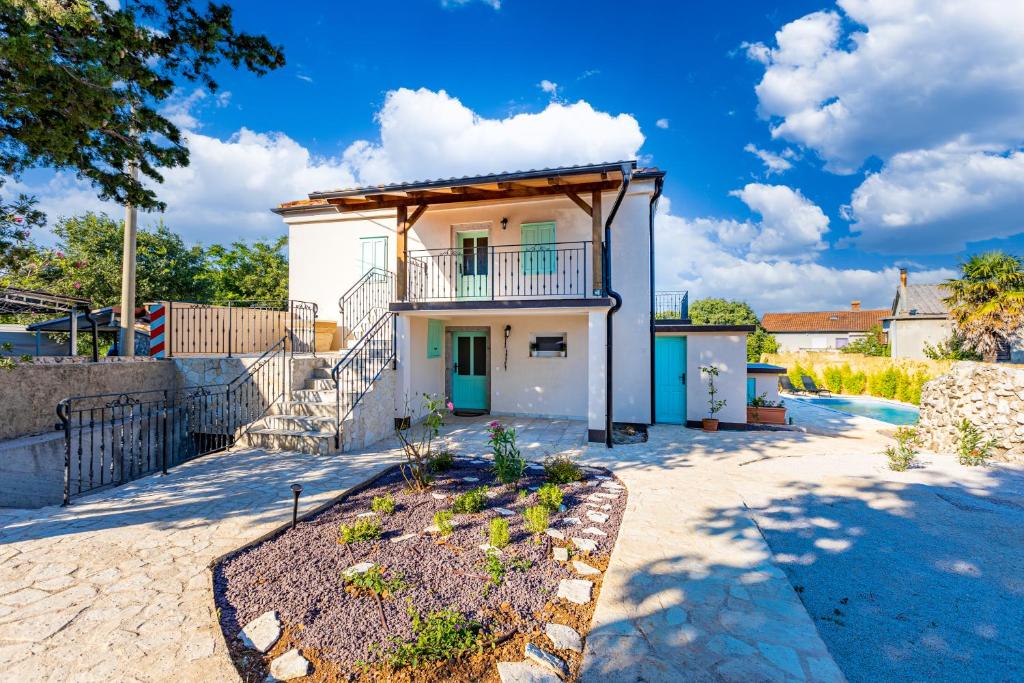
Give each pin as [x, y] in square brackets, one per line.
[571, 194]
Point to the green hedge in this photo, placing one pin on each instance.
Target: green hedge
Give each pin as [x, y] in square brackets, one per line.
[891, 383]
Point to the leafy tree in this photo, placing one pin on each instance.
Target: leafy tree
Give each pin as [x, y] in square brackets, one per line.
[953, 348]
[87, 262]
[986, 303]
[17, 219]
[872, 344]
[248, 271]
[722, 312]
[760, 342]
[82, 83]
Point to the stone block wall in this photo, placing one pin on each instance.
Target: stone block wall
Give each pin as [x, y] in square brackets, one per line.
[373, 418]
[990, 396]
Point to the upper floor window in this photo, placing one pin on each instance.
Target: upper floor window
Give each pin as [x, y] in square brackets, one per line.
[538, 248]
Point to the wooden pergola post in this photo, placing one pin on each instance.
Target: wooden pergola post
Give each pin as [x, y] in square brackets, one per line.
[597, 233]
[402, 252]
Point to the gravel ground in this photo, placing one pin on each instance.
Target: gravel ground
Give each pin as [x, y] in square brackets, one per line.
[298, 572]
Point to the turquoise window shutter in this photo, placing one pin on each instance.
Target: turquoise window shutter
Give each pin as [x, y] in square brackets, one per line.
[751, 389]
[435, 332]
[538, 251]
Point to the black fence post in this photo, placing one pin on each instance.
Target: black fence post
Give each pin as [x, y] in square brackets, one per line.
[63, 412]
[166, 411]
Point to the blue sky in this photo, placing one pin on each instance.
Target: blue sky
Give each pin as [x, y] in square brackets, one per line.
[893, 130]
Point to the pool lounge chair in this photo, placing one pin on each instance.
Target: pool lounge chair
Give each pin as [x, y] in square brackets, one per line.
[812, 389]
[787, 386]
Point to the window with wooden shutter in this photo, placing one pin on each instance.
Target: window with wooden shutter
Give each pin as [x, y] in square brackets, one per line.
[538, 256]
[435, 333]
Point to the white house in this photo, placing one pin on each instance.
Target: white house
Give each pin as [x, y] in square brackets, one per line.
[526, 293]
[821, 330]
[918, 316]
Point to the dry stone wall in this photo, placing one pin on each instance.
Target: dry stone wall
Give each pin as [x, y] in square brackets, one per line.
[989, 396]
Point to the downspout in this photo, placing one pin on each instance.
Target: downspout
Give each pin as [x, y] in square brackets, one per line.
[658, 184]
[95, 337]
[627, 172]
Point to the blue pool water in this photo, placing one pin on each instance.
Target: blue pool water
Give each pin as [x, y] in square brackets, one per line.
[892, 413]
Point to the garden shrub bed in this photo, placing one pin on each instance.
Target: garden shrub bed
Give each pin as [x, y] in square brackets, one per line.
[341, 629]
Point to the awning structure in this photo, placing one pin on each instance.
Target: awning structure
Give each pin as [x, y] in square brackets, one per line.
[30, 301]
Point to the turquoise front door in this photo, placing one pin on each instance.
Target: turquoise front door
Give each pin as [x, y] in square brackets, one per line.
[469, 370]
[473, 264]
[670, 380]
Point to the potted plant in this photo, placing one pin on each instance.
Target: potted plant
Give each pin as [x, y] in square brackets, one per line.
[710, 423]
[760, 410]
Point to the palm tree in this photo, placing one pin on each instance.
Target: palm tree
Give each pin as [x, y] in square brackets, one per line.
[986, 303]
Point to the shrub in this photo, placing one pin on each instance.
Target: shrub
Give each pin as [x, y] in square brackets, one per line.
[363, 529]
[440, 636]
[871, 344]
[496, 569]
[536, 519]
[916, 387]
[471, 501]
[561, 469]
[498, 534]
[384, 505]
[796, 373]
[884, 383]
[418, 442]
[972, 447]
[550, 497]
[509, 464]
[442, 461]
[374, 581]
[833, 376]
[855, 383]
[903, 381]
[904, 453]
[443, 522]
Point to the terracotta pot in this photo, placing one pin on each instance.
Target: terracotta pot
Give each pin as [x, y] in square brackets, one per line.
[766, 416]
[709, 424]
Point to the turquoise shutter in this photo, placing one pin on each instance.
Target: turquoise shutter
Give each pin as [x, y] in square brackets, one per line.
[538, 255]
[435, 332]
[751, 389]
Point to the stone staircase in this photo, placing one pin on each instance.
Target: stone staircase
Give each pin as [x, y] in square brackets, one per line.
[305, 421]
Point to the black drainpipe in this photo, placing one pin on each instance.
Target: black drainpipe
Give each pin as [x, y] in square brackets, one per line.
[627, 172]
[658, 183]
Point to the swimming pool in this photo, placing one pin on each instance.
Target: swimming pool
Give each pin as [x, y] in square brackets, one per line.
[893, 413]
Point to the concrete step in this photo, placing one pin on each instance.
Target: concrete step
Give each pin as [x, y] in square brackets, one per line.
[321, 373]
[302, 423]
[320, 384]
[313, 396]
[304, 409]
[314, 443]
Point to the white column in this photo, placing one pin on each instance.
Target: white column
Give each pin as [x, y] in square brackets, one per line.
[403, 376]
[596, 335]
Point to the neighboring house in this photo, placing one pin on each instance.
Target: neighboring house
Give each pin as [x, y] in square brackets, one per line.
[821, 330]
[25, 342]
[525, 293]
[918, 316]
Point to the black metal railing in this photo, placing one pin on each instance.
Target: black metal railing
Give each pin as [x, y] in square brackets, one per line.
[110, 439]
[366, 300]
[360, 368]
[513, 271]
[672, 305]
[239, 327]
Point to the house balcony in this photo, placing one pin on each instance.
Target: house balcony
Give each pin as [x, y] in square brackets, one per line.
[505, 276]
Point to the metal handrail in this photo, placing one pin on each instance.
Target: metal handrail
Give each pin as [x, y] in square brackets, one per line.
[371, 292]
[362, 365]
[672, 305]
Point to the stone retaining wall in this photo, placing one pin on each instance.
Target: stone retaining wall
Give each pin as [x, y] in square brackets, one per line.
[990, 396]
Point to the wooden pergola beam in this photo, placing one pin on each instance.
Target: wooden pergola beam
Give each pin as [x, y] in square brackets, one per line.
[402, 252]
[571, 194]
[416, 215]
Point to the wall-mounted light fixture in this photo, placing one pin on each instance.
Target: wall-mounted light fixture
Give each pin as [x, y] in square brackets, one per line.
[508, 333]
[504, 223]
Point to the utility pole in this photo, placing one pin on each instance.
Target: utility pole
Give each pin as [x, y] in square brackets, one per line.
[127, 321]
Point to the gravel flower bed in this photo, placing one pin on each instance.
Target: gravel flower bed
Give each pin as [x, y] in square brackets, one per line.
[298, 575]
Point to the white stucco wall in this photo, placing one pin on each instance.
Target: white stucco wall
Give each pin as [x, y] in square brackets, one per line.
[729, 353]
[766, 384]
[908, 337]
[812, 341]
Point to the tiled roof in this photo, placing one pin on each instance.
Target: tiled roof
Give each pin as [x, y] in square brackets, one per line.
[823, 321]
[923, 299]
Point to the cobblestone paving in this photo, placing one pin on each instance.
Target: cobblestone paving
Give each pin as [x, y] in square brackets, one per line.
[116, 587]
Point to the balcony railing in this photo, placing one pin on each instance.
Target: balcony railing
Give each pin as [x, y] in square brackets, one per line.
[561, 270]
[672, 305]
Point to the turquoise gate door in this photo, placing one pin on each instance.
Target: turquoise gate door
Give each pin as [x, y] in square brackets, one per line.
[469, 370]
[670, 380]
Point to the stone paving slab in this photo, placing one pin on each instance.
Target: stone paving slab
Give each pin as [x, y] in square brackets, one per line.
[116, 587]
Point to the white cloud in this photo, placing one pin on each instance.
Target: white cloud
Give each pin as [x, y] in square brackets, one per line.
[701, 255]
[773, 163]
[550, 87]
[304, 77]
[791, 226]
[912, 74]
[937, 201]
[662, 123]
[493, 4]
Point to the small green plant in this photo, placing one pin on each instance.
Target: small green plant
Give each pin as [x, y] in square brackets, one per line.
[561, 469]
[496, 569]
[833, 376]
[374, 580]
[439, 636]
[972, 447]
[523, 495]
[509, 464]
[537, 519]
[470, 501]
[498, 534]
[714, 405]
[443, 522]
[363, 529]
[904, 453]
[442, 461]
[384, 505]
[855, 383]
[418, 443]
[550, 497]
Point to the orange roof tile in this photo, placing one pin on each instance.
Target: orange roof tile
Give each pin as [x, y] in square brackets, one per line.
[823, 321]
